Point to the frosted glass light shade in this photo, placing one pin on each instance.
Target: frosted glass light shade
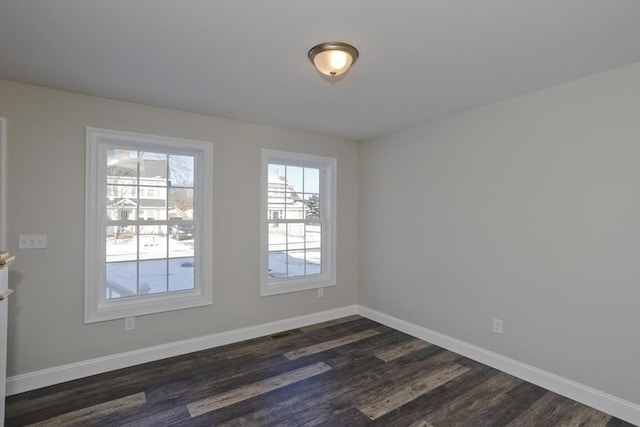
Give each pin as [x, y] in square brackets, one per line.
[333, 59]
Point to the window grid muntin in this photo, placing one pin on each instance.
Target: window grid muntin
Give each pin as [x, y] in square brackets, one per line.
[304, 221]
[137, 222]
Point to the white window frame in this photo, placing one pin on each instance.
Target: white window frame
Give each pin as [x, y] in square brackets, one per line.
[96, 307]
[328, 168]
[3, 185]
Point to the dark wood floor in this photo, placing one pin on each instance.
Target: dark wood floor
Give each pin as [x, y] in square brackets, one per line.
[348, 372]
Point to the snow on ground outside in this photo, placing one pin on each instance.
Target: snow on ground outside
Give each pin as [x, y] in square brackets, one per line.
[177, 273]
[156, 273]
[292, 263]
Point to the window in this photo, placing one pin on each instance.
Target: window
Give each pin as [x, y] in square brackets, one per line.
[139, 189]
[298, 215]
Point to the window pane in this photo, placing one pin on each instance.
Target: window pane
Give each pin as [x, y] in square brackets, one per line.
[153, 241]
[295, 236]
[276, 201]
[311, 180]
[181, 240]
[181, 274]
[122, 167]
[277, 264]
[313, 236]
[122, 243]
[153, 277]
[276, 191]
[180, 203]
[313, 264]
[294, 207]
[121, 279]
[276, 173]
[295, 179]
[277, 237]
[153, 169]
[150, 214]
[153, 203]
[181, 171]
[117, 192]
[312, 206]
[122, 202]
[295, 261]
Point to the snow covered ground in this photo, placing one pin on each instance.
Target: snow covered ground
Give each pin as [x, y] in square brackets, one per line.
[295, 262]
[151, 247]
[156, 276]
[294, 250]
[156, 273]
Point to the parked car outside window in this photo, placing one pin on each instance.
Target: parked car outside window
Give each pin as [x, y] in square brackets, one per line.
[182, 232]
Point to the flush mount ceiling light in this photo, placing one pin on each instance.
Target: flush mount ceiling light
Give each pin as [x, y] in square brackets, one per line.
[333, 59]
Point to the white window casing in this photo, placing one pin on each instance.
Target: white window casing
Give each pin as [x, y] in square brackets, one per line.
[280, 217]
[99, 307]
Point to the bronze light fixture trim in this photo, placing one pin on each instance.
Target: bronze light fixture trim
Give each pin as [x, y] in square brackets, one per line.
[334, 58]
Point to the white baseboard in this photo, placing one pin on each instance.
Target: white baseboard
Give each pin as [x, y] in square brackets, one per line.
[597, 399]
[59, 374]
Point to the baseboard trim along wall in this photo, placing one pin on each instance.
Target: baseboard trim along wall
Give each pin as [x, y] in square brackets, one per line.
[59, 374]
[597, 399]
[612, 405]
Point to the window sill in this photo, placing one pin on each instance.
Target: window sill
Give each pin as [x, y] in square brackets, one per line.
[277, 287]
[148, 304]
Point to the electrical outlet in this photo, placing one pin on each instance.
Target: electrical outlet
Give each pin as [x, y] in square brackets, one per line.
[320, 292]
[129, 323]
[32, 241]
[497, 326]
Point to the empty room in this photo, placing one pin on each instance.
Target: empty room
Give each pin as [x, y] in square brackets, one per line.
[320, 212]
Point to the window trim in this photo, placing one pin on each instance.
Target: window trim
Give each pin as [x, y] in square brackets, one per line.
[96, 307]
[328, 189]
[3, 182]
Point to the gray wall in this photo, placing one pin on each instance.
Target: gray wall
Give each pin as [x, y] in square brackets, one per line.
[46, 173]
[525, 210]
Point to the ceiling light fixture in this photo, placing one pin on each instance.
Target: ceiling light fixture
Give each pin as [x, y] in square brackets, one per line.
[334, 58]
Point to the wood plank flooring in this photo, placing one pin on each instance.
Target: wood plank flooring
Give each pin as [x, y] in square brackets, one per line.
[347, 372]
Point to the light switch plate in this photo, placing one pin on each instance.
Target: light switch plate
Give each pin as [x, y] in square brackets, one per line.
[32, 241]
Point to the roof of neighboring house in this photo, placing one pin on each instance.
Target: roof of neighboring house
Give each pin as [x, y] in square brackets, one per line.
[129, 167]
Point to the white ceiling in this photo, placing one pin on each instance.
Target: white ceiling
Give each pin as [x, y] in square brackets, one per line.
[247, 59]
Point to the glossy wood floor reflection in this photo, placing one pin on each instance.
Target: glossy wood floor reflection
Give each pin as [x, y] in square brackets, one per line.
[348, 372]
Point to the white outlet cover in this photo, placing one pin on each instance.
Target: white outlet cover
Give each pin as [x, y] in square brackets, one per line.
[129, 323]
[497, 326]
